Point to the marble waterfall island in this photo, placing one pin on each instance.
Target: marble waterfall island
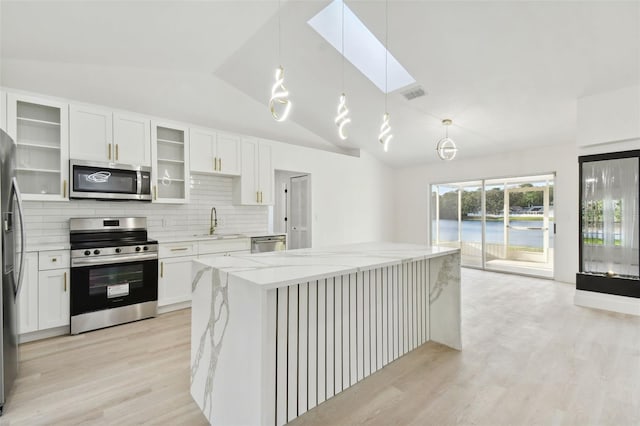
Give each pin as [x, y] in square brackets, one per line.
[275, 334]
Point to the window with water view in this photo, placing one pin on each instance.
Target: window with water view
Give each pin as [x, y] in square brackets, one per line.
[500, 224]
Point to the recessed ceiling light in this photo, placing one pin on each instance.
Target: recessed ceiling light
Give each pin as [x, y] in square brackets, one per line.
[361, 47]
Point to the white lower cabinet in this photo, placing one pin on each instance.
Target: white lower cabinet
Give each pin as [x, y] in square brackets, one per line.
[28, 296]
[53, 298]
[175, 262]
[43, 301]
[174, 282]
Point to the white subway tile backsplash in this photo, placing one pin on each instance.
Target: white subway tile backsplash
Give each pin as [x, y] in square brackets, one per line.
[48, 222]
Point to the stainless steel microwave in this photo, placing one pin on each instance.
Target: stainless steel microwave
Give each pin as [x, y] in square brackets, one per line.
[109, 181]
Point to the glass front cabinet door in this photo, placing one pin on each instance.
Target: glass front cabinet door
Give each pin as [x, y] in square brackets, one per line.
[170, 156]
[609, 224]
[40, 129]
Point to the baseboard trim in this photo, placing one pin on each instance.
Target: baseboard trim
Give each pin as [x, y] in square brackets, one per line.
[44, 334]
[608, 302]
[174, 307]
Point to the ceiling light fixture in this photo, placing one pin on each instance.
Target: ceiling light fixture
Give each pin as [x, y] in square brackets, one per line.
[446, 147]
[342, 119]
[279, 103]
[385, 135]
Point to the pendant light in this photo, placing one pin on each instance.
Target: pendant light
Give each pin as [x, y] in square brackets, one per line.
[279, 103]
[385, 136]
[446, 147]
[342, 119]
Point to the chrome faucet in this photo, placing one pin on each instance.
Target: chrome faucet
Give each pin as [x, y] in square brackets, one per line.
[214, 221]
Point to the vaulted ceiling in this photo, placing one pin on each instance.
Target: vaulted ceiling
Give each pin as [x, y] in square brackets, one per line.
[507, 73]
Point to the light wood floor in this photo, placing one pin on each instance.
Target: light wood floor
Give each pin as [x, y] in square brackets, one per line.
[530, 357]
[130, 374]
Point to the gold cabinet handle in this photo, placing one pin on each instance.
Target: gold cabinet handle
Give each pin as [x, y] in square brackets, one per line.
[155, 192]
[215, 164]
[116, 151]
[109, 153]
[161, 269]
[64, 188]
[219, 164]
[257, 196]
[180, 249]
[65, 282]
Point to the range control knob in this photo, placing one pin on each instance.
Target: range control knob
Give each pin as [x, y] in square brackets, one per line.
[138, 249]
[145, 248]
[118, 250]
[96, 252]
[87, 252]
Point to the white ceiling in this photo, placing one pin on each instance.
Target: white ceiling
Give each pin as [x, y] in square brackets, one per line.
[507, 73]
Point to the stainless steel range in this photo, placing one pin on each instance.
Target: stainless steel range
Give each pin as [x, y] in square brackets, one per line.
[114, 272]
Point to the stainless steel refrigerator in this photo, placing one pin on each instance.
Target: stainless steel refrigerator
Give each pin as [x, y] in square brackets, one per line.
[12, 263]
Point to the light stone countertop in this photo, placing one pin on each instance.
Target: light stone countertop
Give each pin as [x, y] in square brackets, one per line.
[30, 248]
[284, 268]
[203, 237]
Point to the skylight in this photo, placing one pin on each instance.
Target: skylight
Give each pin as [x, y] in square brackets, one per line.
[361, 47]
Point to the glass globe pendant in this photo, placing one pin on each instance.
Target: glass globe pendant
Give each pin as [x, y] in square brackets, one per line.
[446, 147]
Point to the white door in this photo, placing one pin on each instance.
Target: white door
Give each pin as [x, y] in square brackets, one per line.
[299, 218]
[228, 154]
[53, 298]
[90, 133]
[174, 284]
[28, 297]
[201, 150]
[132, 139]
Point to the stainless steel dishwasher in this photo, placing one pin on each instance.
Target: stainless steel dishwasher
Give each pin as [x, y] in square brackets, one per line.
[265, 244]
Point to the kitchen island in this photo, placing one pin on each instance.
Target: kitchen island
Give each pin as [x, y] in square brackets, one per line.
[275, 334]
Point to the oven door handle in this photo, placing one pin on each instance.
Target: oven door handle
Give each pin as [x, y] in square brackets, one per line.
[110, 260]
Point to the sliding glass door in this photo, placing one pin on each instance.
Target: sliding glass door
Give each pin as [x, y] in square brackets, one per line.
[498, 224]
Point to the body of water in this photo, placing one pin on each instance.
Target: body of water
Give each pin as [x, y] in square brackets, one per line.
[472, 232]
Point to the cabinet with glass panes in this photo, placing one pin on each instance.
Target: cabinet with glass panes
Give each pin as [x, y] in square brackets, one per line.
[41, 131]
[610, 223]
[170, 162]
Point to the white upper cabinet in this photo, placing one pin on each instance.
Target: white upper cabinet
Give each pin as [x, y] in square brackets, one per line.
[91, 133]
[202, 145]
[228, 153]
[170, 157]
[3, 110]
[101, 135]
[216, 153]
[132, 139]
[265, 173]
[256, 182]
[41, 131]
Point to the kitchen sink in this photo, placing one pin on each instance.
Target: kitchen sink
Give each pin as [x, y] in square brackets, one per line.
[218, 236]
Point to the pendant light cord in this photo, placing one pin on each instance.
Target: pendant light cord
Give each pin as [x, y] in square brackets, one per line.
[279, 35]
[386, 52]
[342, 39]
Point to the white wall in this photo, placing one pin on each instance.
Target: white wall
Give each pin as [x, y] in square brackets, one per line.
[412, 195]
[352, 198]
[607, 118]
